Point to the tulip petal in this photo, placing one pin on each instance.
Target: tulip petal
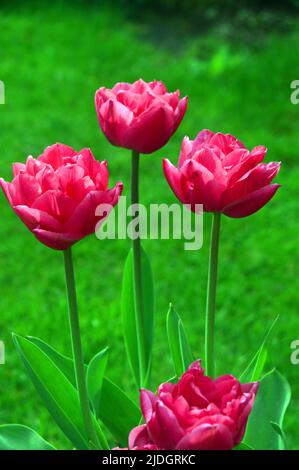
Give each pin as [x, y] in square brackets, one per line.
[17, 167]
[185, 152]
[8, 190]
[251, 203]
[54, 154]
[148, 401]
[55, 240]
[150, 130]
[180, 113]
[96, 170]
[84, 219]
[55, 203]
[34, 218]
[114, 119]
[164, 428]
[174, 178]
[207, 437]
[26, 189]
[138, 437]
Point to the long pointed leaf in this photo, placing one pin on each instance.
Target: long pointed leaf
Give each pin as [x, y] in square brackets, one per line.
[270, 405]
[129, 313]
[95, 375]
[19, 437]
[254, 369]
[178, 343]
[116, 410]
[57, 393]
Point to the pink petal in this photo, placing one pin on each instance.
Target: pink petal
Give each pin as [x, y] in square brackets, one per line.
[247, 162]
[203, 137]
[138, 437]
[47, 179]
[98, 171]
[180, 113]
[57, 241]
[174, 179]
[114, 119]
[26, 189]
[185, 152]
[151, 130]
[251, 203]
[163, 428]
[34, 218]
[84, 219]
[158, 87]
[68, 176]
[8, 190]
[207, 437]
[17, 167]
[56, 204]
[148, 401]
[54, 154]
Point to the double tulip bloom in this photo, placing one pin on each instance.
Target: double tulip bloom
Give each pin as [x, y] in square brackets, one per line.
[196, 413]
[216, 170]
[140, 116]
[56, 195]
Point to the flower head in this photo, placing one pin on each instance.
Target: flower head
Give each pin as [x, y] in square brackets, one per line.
[216, 170]
[140, 116]
[196, 413]
[56, 195]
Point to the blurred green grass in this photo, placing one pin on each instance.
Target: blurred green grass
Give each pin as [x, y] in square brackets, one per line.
[53, 58]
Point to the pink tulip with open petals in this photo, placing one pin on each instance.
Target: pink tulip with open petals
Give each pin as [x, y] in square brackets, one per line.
[140, 116]
[216, 170]
[196, 413]
[56, 195]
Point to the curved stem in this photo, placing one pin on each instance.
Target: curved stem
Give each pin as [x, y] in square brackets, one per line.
[77, 348]
[137, 276]
[211, 296]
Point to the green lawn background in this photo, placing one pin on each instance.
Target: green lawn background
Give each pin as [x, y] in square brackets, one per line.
[52, 60]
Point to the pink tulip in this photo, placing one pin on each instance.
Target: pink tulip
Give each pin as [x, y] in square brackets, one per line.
[56, 194]
[140, 116]
[196, 413]
[216, 170]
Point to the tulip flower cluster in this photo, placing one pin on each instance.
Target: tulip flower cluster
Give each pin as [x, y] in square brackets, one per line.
[56, 196]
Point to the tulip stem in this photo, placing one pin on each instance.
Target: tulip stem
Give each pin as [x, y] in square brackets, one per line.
[137, 277]
[93, 438]
[211, 296]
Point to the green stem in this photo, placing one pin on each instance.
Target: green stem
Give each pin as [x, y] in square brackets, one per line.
[211, 296]
[137, 276]
[77, 348]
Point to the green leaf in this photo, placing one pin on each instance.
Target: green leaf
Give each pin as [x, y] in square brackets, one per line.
[129, 313]
[19, 437]
[58, 394]
[243, 446]
[65, 364]
[95, 375]
[179, 347]
[279, 431]
[254, 370]
[270, 405]
[116, 410]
